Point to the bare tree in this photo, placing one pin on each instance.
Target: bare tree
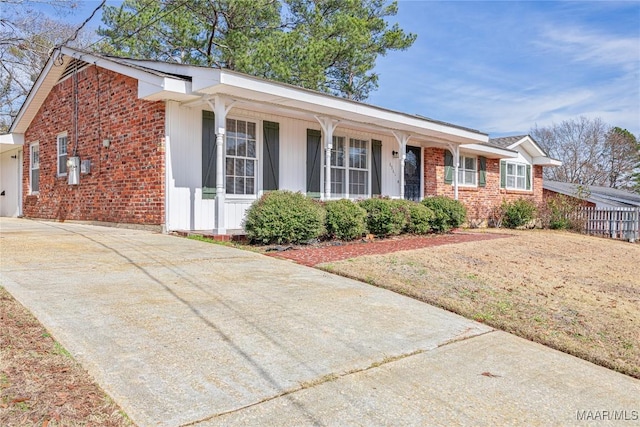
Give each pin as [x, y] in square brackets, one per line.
[27, 37]
[592, 153]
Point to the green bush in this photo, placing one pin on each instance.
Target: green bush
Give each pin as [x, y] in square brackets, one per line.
[447, 213]
[560, 212]
[518, 213]
[419, 218]
[284, 217]
[345, 219]
[385, 217]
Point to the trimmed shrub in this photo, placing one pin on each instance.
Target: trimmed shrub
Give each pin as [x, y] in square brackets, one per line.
[419, 218]
[447, 213]
[345, 219]
[284, 217]
[385, 217]
[518, 213]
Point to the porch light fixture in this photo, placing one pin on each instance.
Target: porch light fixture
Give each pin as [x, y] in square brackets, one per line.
[395, 154]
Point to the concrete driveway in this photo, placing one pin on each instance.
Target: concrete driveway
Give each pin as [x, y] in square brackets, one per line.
[181, 332]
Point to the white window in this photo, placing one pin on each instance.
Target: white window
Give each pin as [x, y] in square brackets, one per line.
[358, 167]
[62, 154]
[467, 171]
[349, 172]
[241, 157]
[516, 176]
[34, 167]
[338, 166]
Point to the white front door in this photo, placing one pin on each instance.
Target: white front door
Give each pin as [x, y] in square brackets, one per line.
[11, 182]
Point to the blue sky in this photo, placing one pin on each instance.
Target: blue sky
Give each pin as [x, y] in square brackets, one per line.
[504, 66]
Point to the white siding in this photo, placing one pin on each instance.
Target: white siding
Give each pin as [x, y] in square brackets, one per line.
[186, 210]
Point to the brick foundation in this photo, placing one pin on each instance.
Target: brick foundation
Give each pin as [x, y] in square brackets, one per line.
[480, 201]
[126, 183]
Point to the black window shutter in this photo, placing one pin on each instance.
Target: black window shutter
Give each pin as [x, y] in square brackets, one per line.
[448, 167]
[376, 157]
[482, 171]
[208, 155]
[314, 162]
[271, 156]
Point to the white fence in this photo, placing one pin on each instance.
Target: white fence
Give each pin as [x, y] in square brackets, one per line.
[616, 223]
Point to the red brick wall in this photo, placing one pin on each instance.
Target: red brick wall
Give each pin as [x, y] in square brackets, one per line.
[126, 183]
[480, 201]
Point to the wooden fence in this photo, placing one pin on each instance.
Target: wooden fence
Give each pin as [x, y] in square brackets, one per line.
[616, 223]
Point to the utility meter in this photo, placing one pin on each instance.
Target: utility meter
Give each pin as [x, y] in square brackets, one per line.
[73, 170]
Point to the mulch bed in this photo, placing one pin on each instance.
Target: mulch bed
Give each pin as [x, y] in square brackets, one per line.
[312, 255]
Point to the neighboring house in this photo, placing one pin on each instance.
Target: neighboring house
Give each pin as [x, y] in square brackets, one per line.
[591, 195]
[179, 147]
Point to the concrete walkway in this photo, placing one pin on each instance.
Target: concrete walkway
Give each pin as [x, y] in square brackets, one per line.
[181, 332]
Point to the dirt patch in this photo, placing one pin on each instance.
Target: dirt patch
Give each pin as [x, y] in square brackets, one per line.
[575, 293]
[40, 383]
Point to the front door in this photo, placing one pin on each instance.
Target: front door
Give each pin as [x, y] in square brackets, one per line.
[412, 173]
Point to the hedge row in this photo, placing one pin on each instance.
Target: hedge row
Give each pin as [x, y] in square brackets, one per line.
[287, 217]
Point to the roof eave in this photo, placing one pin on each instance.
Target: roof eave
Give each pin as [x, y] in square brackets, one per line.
[489, 151]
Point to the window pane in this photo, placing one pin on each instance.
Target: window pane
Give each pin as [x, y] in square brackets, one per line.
[62, 164]
[337, 181]
[358, 183]
[521, 170]
[35, 157]
[251, 149]
[241, 129]
[521, 183]
[470, 163]
[511, 170]
[231, 146]
[239, 167]
[231, 128]
[511, 181]
[251, 130]
[62, 145]
[241, 148]
[469, 177]
[230, 169]
[35, 180]
[230, 186]
[249, 171]
[239, 182]
[460, 176]
[249, 186]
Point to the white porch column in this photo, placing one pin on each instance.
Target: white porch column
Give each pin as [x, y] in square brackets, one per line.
[220, 107]
[455, 152]
[328, 126]
[402, 139]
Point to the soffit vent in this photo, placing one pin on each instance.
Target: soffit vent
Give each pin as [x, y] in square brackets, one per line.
[75, 64]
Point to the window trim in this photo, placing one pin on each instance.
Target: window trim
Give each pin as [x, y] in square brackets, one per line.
[65, 155]
[462, 170]
[32, 146]
[347, 168]
[506, 164]
[257, 169]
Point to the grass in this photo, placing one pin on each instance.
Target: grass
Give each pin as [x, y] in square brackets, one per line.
[575, 293]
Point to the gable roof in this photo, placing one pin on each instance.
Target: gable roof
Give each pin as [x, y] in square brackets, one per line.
[595, 194]
[527, 144]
